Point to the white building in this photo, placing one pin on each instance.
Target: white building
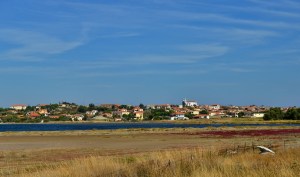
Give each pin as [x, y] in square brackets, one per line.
[215, 107]
[91, 113]
[179, 116]
[186, 102]
[19, 107]
[258, 115]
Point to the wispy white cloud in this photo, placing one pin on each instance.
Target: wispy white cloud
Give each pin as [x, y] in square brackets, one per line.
[219, 18]
[171, 59]
[209, 50]
[141, 72]
[266, 3]
[107, 15]
[190, 53]
[278, 3]
[253, 33]
[182, 54]
[31, 46]
[236, 35]
[120, 35]
[246, 36]
[293, 3]
[45, 71]
[240, 70]
[277, 12]
[142, 60]
[99, 64]
[97, 6]
[249, 9]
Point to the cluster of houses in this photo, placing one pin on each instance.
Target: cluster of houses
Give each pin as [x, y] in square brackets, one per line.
[189, 109]
[41, 111]
[196, 111]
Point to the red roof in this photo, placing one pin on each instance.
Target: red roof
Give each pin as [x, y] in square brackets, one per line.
[179, 113]
[33, 114]
[43, 104]
[23, 105]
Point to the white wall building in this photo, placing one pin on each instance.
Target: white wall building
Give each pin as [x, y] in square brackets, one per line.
[179, 116]
[19, 107]
[215, 106]
[186, 102]
[258, 115]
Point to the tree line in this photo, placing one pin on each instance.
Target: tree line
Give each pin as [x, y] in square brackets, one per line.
[278, 114]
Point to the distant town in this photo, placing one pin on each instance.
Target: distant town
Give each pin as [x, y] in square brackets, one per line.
[188, 109]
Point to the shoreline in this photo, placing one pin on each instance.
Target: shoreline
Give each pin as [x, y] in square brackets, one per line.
[132, 126]
[191, 121]
[125, 131]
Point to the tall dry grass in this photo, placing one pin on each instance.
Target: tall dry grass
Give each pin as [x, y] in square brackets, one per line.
[177, 163]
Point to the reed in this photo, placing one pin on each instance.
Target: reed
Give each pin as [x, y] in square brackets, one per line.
[177, 163]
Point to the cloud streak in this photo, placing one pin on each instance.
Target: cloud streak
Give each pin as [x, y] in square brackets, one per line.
[141, 72]
[32, 46]
[223, 19]
[278, 3]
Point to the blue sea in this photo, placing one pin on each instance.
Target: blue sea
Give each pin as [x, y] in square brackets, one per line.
[113, 126]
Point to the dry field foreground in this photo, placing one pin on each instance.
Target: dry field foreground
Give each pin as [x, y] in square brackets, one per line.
[151, 152]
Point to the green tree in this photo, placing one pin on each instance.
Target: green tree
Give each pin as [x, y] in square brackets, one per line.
[128, 117]
[11, 118]
[91, 107]
[63, 118]
[50, 107]
[292, 114]
[189, 115]
[160, 112]
[123, 106]
[82, 109]
[148, 115]
[203, 111]
[241, 114]
[274, 114]
[142, 106]
[103, 109]
[30, 108]
[85, 117]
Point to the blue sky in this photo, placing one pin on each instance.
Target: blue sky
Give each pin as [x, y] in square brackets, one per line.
[151, 52]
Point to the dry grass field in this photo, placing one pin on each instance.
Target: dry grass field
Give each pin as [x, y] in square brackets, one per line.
[178, 163]
[151, 152]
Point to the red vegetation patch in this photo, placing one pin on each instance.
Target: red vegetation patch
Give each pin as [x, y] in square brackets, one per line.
[230, 133]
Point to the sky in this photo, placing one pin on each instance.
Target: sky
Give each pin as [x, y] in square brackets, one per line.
[150, 51]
